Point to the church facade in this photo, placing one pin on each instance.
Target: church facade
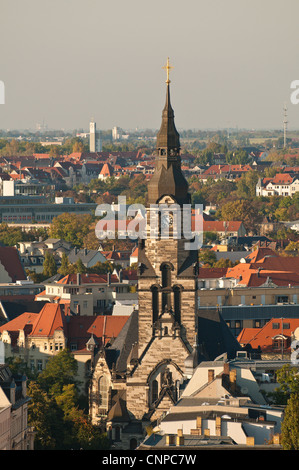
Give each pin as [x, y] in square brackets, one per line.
[139, 377]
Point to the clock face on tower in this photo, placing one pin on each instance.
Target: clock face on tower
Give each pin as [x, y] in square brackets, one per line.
[166, 221]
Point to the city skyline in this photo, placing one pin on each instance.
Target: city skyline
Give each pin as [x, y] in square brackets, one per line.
[233, 63]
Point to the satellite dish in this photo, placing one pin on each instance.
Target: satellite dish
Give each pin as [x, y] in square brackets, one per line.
[244, 390]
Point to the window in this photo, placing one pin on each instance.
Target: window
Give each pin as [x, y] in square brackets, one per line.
[275, 326]
[282, 299]
[103, 385]
[154, 391]
[177, 303]
[155, 303]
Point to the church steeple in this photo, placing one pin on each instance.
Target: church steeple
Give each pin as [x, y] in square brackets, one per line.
[168, 177]
[168, 139]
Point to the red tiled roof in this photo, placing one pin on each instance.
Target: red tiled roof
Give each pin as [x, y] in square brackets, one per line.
[49, 319]
[264, 336]
[264, 263]
[282, 178]
[221, 226]
[211, 273]
[27, 319]
[88, 279]
[77, 330]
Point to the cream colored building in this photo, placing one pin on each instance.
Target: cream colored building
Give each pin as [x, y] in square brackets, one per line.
[233, 296]
[15, 434]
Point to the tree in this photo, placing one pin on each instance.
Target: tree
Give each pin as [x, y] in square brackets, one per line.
[80, 268]
[290, 424]
[49, 266]
[55, 412]
[43, 415]
[71, 228]
[241, 210]
[207, 257]
[65, 265]
[60, 371]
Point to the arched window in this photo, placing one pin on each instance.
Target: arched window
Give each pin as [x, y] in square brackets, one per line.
[177, 303]
[103, 386]
[155, 303]
[166, 285]
[155, 391]
[133, 443]
[166, 275]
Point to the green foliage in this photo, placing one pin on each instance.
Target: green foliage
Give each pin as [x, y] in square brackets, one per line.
[71, 228]
[241, 210]
[64, 266]
[49, 265]
[54, 410]
[290, 424]
[207, 257]
[61, 370]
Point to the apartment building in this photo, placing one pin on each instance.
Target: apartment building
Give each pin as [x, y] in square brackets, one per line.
[15, 434]
[89, 294]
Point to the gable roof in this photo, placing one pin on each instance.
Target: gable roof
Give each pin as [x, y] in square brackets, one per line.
[10, 260]
[265, 264]
[263, 337]
[49, 319]
[78, 329]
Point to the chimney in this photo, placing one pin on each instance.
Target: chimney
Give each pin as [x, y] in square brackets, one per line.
[233, 379]
[199, 424]
[180, 438]
[218, 425]
[211, 375]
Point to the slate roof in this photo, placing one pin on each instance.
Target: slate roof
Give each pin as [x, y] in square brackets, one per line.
[10, 260]
[214, 336]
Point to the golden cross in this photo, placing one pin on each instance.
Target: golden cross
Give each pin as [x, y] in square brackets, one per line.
[167, 67]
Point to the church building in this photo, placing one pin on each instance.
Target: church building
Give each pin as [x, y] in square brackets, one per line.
[141, 375]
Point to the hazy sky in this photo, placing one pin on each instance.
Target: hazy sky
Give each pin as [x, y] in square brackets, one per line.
[66, 61]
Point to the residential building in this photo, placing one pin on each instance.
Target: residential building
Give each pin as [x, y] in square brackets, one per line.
[223, 407]
[282, 184]
[15, 432]
[35, 337]
[275, 339]
[87, 294]
[88, 257]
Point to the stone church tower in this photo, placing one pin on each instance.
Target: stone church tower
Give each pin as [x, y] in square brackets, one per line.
[138, 378]
[167, 284]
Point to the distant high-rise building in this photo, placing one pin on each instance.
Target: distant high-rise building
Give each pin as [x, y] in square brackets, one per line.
[95, 142]
[116, 133]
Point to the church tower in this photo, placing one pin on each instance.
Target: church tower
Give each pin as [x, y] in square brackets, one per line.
[167, 282]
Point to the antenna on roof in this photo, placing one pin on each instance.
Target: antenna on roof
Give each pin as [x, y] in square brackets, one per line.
[285, 124]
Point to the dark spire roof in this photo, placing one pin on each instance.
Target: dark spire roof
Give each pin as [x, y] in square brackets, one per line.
[168, 137]
[168, 178]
